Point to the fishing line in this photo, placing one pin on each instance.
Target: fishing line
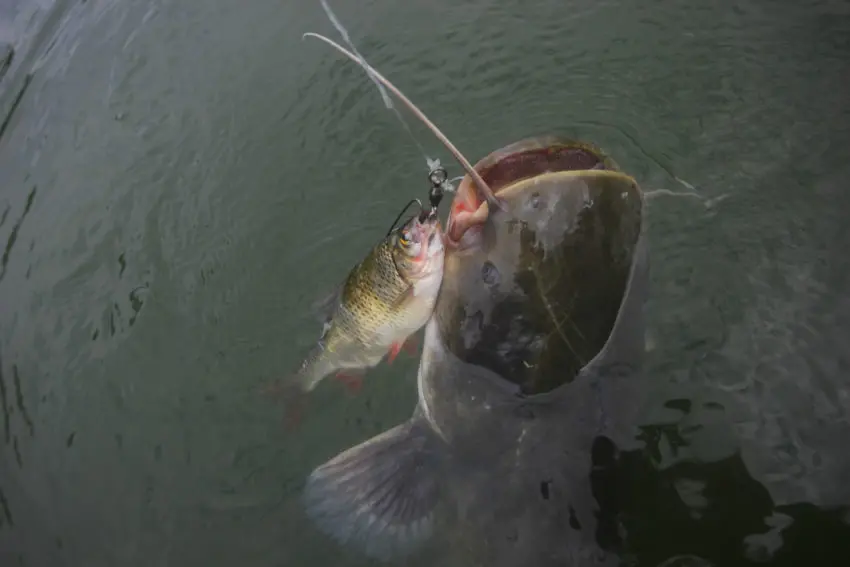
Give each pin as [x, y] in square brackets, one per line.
[707, 203]
[404, 210]
[384, 95]
[431, 163]
[484, 189]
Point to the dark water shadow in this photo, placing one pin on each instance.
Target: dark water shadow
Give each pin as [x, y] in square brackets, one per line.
[715, 511]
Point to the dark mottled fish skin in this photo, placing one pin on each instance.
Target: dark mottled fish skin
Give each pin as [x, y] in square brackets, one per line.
[529, 355]
[386, 297]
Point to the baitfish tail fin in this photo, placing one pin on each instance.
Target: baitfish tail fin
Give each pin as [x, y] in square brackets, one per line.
[379, 496]
[294, 389]
[318, 365]
[294, 400]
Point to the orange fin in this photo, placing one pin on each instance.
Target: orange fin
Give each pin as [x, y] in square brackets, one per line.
[395, 348]
[294, 401]
[352, 378]
[411, 345]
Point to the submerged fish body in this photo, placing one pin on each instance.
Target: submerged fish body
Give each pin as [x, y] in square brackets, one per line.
[529, 356]
[385, 299]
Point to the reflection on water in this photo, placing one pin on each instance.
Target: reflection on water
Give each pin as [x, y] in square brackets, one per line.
[714, 511]
[13, 236]
[179, 180]
[13, 403]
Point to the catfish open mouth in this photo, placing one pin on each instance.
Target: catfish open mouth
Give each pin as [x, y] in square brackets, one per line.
[521, 160]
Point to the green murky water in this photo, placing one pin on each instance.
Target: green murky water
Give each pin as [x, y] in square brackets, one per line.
[179, 179]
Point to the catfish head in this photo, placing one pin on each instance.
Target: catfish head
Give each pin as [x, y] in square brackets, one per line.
[537, 293]
[532, 292]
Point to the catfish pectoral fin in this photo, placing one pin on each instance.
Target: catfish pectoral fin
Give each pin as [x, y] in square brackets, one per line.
[380, 495]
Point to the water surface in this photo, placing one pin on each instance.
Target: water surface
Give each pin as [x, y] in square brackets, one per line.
[179, 179]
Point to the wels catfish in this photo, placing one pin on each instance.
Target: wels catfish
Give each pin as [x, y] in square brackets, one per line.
[531, 354]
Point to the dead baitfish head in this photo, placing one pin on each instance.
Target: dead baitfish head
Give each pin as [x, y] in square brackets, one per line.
[538, 298]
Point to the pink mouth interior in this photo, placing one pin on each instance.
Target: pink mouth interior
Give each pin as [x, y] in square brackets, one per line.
[515, 167]
[423, 232]
[532, 162]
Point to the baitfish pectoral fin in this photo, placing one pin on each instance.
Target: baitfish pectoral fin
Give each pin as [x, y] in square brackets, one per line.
[409, 346]
[380, 495]
[403, 298]
[352, 378]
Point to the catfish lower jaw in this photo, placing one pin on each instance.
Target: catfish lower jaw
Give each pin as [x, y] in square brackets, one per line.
[502, 168]
[461, 221]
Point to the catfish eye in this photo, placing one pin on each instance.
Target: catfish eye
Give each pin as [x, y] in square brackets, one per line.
[489, 273]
